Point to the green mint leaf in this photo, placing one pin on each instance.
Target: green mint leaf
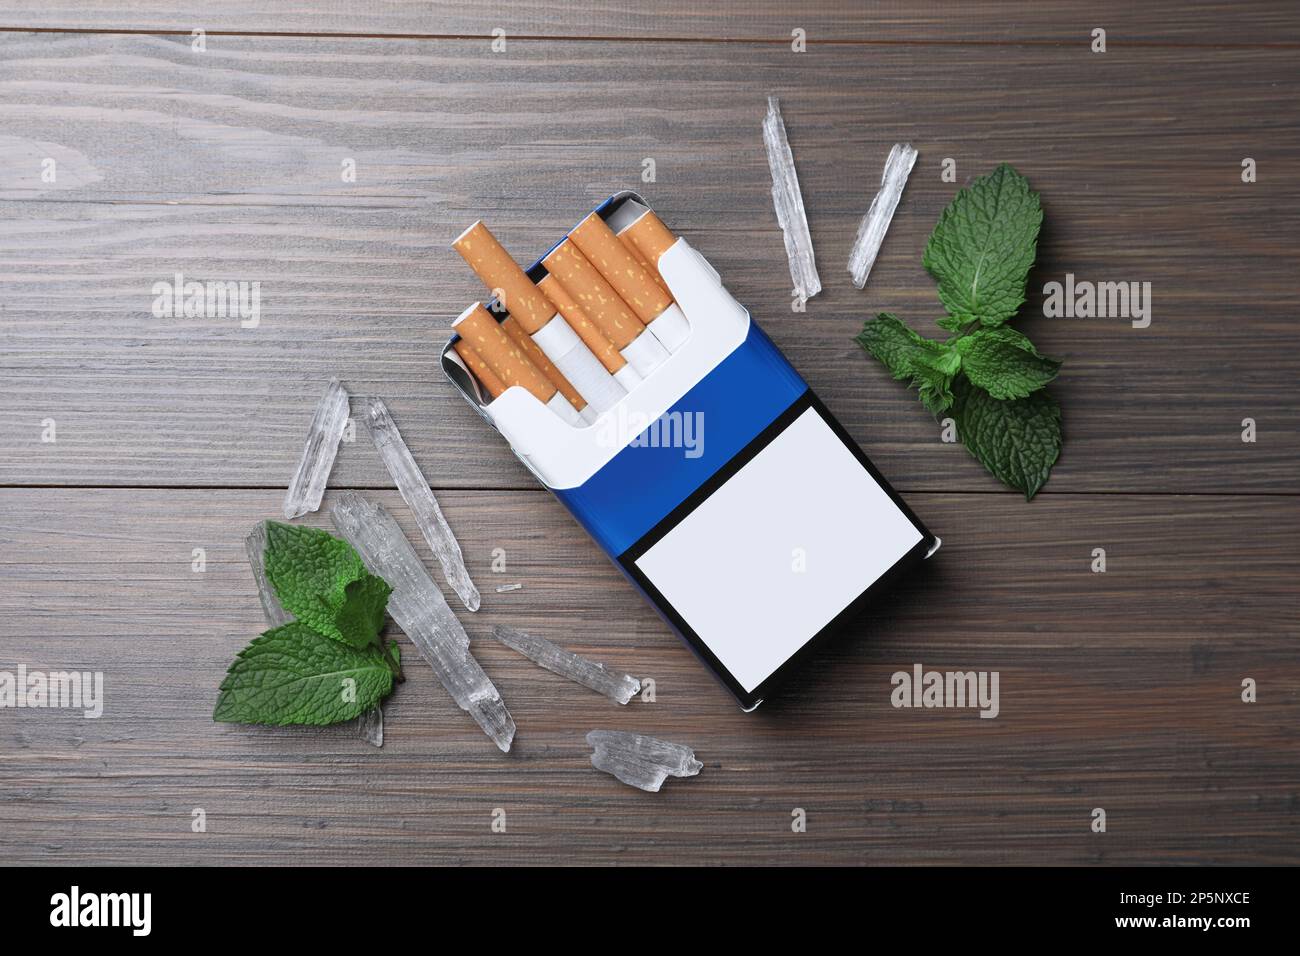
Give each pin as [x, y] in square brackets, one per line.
[293, 675]
[925, 364]
[361, 617]
[891, 341]
[983, 246]
[1017, 440]
[932, 377]
[1004, 363]
[310, 570]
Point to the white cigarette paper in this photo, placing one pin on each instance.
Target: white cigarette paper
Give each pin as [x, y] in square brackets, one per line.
[578, 364]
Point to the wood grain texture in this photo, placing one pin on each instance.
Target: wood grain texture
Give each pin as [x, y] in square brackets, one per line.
[1118, 690]
[226, 165]
[828, 21]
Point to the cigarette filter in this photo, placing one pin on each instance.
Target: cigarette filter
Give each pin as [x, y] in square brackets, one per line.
[636, 254]
[650, 237]
[509, 362]
[537, 317]
[619, 267]
[605, 308]
[491, 263]
[595, 340]
[491, 383]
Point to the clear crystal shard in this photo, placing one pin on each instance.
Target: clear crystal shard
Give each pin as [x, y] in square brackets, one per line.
[504, 588]
[255, 546]
[788, 201]
[640, 761]
[419, 498]
[871, 232]
[327, 424]
[418, 607]
[620, 688]
[369, 725]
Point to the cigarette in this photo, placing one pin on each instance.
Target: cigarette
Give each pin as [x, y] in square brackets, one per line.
[586, 329]
[603, 306]
[538, 317]
[543, 365]
[509, 362]
[649, 237]
[482, 371]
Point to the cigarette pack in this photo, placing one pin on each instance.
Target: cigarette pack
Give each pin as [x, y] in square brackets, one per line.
[720, 485]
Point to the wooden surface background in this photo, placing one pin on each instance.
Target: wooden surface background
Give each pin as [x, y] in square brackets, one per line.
[1118, 690]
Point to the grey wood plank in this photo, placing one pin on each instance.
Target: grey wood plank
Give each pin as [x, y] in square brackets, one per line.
[225, 165]
[828, 21]
[1119, 690]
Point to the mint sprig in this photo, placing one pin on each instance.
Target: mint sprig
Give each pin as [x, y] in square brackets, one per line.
[987, 373]
[332, 663]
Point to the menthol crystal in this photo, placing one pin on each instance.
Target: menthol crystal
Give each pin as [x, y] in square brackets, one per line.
[874, 225]
[619, 688]
[788, 200]
[419, 498]
[327, 424]
[370, 725]
[255, 547]
[640, 761]
[418, 607]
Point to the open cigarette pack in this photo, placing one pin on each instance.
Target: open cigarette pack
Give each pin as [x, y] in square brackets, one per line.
[633, 386]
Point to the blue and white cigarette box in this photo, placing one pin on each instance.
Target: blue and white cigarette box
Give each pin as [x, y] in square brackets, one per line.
[720, 486]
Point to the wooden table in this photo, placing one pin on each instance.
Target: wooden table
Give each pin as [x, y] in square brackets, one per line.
[1119, 690]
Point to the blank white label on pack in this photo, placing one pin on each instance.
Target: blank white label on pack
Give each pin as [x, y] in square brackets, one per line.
[774, 554]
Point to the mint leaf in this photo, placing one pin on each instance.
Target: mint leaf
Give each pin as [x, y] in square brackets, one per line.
[927, 365]
[932, 377]
[1004, 363]
[1018, 440]
[293, 675]
[310, 570]
[361, 617]
[983, 246]
[895, 344]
